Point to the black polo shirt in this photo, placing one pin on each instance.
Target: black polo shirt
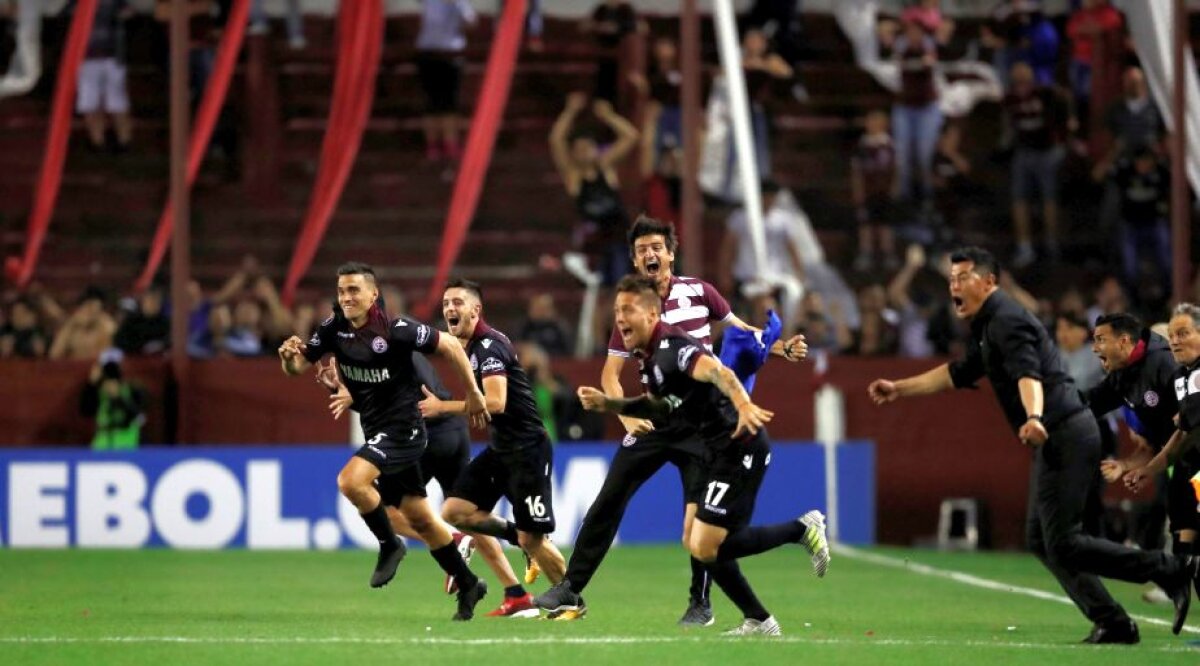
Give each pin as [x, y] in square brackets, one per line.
[1008, 344]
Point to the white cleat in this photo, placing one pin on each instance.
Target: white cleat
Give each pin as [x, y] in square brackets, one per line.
[814, 541]
[749, 627]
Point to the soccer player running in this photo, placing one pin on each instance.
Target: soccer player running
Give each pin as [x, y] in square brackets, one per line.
[374, 358]
[687, 387]
[1009, 346]
[445, 459]
[694, 306]
[519, 459]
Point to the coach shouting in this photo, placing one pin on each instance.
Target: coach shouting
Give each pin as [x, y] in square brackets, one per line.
[1012, 349]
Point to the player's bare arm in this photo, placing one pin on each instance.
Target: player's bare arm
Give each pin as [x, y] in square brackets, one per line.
[475, 408]
[751, 417]
[644, 406]
[883, 391]
[610, 380]
[495, 395]
[1138, 478]
[291, 356]
[1113, 469]
[1033, 432]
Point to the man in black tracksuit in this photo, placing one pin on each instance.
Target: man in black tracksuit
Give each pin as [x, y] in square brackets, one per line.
[1010, 347]
[1141, 378]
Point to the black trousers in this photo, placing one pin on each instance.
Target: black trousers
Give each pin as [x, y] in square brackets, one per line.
[1064, 470]
[632, 466]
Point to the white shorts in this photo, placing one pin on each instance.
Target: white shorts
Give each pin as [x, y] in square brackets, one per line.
[102, 86]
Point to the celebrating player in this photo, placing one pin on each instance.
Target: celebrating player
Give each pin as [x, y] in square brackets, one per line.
[374, 358]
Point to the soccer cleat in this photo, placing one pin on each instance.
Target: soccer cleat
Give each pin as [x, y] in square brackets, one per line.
[1124, 632]
[516, 607]
[749, 627]
[814, 541]
[568, 614]
[532, 570]
[466, 547]
[385, 566]
[468, 599]
[698, 614]
[558, 597]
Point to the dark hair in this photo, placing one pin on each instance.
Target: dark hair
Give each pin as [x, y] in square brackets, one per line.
[1122, 323]
[357, 268]
[469, 285]
[93, 293]
[1073, 318]
[644, 287]
[645, 225]
[768, 186]
[985, 262]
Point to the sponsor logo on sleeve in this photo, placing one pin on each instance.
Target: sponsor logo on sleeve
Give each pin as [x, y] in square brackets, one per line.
[474, 362]
[748, 461]
[1151, 399]
[315, 340]
[422, 335]
[379, 345]
[685, 355]
[328, 321]
[400, 323]
[492, 365]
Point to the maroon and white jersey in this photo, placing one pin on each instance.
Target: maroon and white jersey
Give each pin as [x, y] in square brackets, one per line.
[691, 305]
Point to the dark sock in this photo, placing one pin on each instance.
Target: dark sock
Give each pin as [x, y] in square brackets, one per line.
[449, 559]
[381, 527]
[497, 527]
[516, 591]
[754, 540]
[701, 582]
[728, 576]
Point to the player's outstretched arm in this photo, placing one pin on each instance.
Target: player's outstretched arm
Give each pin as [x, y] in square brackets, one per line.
[291, 356]
[475, 408]
[794, 349]
[751, 417]
[644, 406]
[933, 381]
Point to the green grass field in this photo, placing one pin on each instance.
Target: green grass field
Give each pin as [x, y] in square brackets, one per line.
[236, 607]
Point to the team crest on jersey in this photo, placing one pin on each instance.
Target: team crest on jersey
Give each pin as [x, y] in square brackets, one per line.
[686, 355]
[1151, 399]
[379, 345]
[422, 335]
[315, 340]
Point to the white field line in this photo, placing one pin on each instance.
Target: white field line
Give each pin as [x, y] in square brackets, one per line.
[977, 581]
[559, 640]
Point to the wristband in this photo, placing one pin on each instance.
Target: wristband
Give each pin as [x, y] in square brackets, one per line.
[1034, 417]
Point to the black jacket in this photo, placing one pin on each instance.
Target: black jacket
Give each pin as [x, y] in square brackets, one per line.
[1147, 387]
[1008, 344]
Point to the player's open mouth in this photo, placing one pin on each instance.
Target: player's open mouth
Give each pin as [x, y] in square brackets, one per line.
[958, 302]
[452, 320]
[652, 266]
[626, 332]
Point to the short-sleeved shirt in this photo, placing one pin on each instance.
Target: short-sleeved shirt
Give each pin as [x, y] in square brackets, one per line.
[1008, 344]
[780, 231]
[1145, 197]
[1038, 120]
[1146, 386]
[666, 370]
[691, 304]
[375, 363]
[443, 24]
[519, 426]
[1187, 392]
[875, 159]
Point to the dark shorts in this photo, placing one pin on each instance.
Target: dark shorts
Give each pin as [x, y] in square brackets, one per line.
[733, 475]
[447, 455]
[440, 74]
[398, 459]
[523, 477]
[683, 450]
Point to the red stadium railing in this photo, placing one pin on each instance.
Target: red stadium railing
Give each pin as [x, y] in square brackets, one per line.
[206, 119]
[360, 41]
[20, 270]
[485, 124]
